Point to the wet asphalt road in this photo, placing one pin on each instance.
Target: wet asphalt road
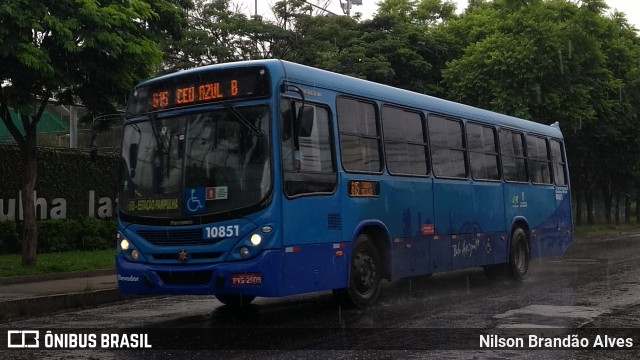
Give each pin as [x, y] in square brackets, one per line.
[593, 290]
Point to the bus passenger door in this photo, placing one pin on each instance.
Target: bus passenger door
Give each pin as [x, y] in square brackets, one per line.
[311, 213]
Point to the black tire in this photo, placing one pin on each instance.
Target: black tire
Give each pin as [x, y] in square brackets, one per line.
[518, 255]
[236, 301]
[365, 275]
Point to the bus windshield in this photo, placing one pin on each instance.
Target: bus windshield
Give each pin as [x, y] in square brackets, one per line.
[196, 164]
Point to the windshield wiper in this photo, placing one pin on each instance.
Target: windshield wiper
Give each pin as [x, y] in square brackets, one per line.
[238, 115]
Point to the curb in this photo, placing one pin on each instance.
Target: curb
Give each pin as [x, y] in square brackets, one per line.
[55, 276]
[48, 304]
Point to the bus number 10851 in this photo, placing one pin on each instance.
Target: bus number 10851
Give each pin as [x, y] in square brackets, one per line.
[214, 232]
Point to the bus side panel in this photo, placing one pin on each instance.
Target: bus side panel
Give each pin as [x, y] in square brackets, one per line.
[315, 267]
[537, 205]
[513, 208]
[453, 208]
[565, 223]
[488, 207]
[311, 227]
[406, 207]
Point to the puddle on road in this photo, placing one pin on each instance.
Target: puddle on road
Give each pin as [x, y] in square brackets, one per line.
[548, 316]
[582, 312]
[578, 261]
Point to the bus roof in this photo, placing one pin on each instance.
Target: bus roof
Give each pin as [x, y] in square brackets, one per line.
[319, 78]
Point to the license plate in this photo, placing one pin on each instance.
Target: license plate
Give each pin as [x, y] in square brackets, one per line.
[246, 279]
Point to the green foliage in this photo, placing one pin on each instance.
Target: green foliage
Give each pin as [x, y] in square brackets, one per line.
[557, 61]
[84, 234]
[91, 50]
[403, 51]
[9, 238]
[97, 234]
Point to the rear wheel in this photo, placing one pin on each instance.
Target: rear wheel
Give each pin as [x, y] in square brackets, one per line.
[365, 275]
[235, 300]
[519, 255]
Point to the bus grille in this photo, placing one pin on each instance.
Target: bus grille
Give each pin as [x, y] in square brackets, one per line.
[176, 237]
[193, 256]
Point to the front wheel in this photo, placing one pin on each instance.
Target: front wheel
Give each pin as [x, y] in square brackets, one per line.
[236, 301]
[519, 255]
[365, 275]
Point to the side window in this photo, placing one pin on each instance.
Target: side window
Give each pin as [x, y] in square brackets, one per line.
[405, 142]
[559, 165]
[514, 166]
[539, 161]
[307, 158]
[447, 147]
[359, 136]
[483, 152]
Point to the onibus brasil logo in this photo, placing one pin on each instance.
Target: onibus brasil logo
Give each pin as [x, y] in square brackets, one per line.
[32, 339]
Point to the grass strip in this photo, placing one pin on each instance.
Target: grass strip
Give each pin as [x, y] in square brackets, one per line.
[10, 265]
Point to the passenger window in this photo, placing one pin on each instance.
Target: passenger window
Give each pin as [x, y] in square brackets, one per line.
[359, 136]
[447, 147]
[559, 165]
[514, 165]
[539, 161]
[405, 142]
[483, 152]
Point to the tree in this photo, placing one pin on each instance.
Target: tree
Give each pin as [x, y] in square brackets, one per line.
[88, 50]
[557, 61]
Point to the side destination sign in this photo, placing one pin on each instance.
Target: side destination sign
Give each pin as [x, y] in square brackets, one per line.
[362, 188]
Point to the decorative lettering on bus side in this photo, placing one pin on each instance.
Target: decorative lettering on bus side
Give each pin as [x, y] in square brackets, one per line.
[362, 188]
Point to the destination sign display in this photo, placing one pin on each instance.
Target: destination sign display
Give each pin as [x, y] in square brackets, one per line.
[358, 188]
[201, 87]
[153, 204]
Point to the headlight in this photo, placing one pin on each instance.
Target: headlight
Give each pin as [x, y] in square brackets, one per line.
[256, 239]
[124, 245]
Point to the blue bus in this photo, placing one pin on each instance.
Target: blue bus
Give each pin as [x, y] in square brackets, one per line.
[269, 178]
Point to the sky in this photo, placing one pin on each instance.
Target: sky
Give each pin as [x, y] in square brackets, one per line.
[630, 7]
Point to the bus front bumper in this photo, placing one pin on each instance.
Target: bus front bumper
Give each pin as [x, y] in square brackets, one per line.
[257, 277]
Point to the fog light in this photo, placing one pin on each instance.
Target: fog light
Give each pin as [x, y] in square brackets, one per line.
[256, 239]
[124, 245]
[244, 251]
[134, 255]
